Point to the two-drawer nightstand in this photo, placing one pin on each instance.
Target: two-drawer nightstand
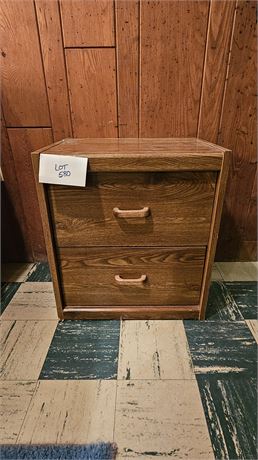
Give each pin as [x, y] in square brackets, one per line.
[139, 240]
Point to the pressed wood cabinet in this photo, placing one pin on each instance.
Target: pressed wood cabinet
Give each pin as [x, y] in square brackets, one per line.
[138, 241]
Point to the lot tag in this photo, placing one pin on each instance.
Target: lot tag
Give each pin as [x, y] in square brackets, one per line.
[63, 170]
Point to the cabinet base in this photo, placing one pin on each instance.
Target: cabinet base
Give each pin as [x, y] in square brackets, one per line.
[158, 312]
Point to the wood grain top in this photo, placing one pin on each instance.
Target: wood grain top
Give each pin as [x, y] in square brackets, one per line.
[129, 147]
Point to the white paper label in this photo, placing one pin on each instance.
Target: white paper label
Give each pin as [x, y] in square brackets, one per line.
[63, 169]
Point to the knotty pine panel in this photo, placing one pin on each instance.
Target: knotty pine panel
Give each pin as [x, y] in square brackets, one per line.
[23, 141]
[88, 23]
[24, 95]
[173, 35]
[92, 86]
[48, 19]
[127, 43]
[215, 68]
[238, 129]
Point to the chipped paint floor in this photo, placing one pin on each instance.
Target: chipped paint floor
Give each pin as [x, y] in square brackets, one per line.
[159, 389]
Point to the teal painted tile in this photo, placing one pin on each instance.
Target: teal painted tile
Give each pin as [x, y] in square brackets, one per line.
[244, 294]
[221, 347]
[7, 292]
[40, 272]
[230, 409]
[83, 350]
[221, 304]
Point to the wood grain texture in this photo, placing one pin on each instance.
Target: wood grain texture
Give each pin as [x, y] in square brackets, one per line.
[92, 87]
[48, 19]
[23, 141]
[238, 126]
[127, 44]
[23, 81]
[16, 245]
[133, 312]
[128, 147]
[215, 68]
[172, 41]
[173, 276]
[88, 23]
[180, 210]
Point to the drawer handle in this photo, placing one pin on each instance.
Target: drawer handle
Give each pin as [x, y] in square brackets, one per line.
[144, 212]
[130, 281]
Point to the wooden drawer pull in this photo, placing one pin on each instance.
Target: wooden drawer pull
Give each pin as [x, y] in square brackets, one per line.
[130, 281]
[144, 212]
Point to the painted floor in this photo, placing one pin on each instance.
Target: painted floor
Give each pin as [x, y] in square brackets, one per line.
[159, 389]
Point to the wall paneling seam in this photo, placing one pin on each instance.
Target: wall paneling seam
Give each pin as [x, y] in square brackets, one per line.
[43, 67]
[117, 70]
[204, 67]
[65, 66]
[227, 72]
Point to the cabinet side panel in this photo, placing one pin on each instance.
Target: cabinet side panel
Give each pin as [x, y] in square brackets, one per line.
[45, 216]
[214, 231]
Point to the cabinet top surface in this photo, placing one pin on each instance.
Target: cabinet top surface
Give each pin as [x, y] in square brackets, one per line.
[128, 147]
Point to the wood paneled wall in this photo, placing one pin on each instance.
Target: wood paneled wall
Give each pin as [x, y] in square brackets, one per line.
[127, 68]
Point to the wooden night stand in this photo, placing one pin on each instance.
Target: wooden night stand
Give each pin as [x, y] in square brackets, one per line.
[139, 240]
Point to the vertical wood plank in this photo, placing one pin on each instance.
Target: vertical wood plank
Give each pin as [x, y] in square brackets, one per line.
[15, 241]
[173, 35]
[127, 42]
[238, 126]
[23, 141]
[88, 23]
[92, 87]
[54, 65]
[217, 55]
[24, 96]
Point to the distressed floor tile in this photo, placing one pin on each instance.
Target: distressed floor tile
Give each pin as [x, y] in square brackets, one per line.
[15, 398]
[76, 412]
[221, 347]
[244, 294]
[24, 346]
[253, 326]
[154, 350]
[215, 274]
[238, 271]
[32, 301]
[230, 408]
[221, 304]
[161, 419]
[39, 272]
[7, 292]
[83, 350]
[15, 272]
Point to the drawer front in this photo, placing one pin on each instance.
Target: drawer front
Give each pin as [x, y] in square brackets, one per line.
[126, 276]
[171, 209]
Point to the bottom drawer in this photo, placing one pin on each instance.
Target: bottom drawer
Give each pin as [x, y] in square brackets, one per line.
[131, 276]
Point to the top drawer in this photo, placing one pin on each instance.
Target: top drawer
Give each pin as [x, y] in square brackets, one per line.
[167, 209]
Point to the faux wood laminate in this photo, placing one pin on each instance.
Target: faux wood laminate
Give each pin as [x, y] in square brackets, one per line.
[150, 212]
[173, 276]
[180, 209]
